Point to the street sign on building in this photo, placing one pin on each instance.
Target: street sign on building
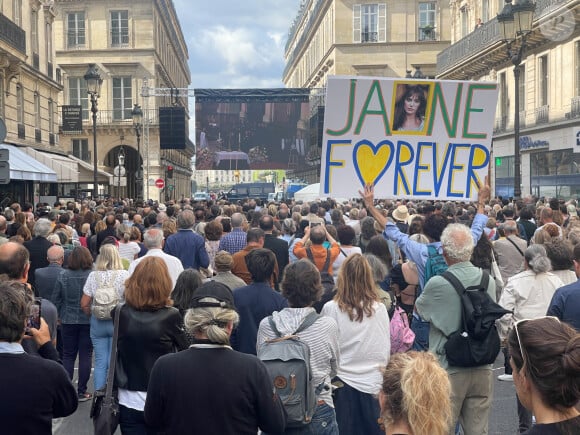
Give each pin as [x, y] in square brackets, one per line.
[4, 172]
[160, 183]
[72, 119]
[119, 181]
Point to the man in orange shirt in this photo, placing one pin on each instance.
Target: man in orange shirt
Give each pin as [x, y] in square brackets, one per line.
[254, 240]
[318, 235]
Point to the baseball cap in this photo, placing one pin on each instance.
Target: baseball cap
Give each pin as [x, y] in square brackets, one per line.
[220, 293]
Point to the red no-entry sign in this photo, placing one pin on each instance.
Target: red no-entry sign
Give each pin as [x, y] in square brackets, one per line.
[160, 182]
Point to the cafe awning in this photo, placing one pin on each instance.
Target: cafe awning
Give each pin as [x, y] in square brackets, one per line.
[65, 168]
[86, 172]
[27, 168]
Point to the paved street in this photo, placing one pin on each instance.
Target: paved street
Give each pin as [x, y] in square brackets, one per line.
[503, 420]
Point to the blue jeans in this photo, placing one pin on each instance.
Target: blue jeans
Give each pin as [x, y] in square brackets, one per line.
[76, 341]
[102, 337]
[323, 423]
[356, 412]
[421, 330]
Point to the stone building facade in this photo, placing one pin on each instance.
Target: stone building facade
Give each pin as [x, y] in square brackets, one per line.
[549, 92]
[135, 43]
[389, 38]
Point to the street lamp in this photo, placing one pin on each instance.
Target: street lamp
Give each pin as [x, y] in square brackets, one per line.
[121, 170]
[515, 22]
[94, 82]
[137, 115]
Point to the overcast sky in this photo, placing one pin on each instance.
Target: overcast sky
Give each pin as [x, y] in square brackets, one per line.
[236, 43]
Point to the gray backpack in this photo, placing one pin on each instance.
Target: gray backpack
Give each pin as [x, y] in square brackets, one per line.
[287, 359]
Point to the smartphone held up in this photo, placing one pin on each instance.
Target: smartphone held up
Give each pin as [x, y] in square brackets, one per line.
[33, 320]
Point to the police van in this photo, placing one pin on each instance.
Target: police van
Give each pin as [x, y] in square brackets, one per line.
[250, 190]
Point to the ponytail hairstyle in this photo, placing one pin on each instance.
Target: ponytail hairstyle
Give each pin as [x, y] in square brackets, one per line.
[211, 321]
[124, 233]
[537, 258]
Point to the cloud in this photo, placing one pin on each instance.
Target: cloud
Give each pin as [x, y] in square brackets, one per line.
[235, 44]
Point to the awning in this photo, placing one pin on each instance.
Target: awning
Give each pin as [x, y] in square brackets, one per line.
[25, 167]
[65, 168]
[86, 172]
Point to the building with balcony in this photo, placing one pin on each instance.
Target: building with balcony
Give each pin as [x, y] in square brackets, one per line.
[29, 89]
[549, 92]
[391, 38]
[135, 43]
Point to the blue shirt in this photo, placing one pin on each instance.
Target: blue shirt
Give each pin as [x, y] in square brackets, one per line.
[233, 242]
[253, 303]
[565, 304]
[189, 247]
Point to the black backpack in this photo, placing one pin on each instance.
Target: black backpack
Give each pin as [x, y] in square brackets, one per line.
[477, 341]
[324, 275]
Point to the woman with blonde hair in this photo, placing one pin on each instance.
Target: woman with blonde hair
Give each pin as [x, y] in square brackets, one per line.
[415, 396]
[364, 344]
[149, 327]
[108, 272]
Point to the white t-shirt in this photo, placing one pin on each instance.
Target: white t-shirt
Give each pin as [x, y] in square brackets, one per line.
[364, 346]
[174, 265]
[340, 259]
[129, 250]
[116, 277]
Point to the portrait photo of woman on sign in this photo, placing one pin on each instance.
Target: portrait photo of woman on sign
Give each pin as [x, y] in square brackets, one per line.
[410, 106]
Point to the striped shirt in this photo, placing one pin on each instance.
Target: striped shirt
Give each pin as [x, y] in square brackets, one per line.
[321, 337]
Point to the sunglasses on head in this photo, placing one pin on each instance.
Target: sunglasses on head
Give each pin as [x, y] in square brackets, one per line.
[516, 328]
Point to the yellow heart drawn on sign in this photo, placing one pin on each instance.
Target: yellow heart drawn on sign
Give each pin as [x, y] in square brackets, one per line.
[371, 161]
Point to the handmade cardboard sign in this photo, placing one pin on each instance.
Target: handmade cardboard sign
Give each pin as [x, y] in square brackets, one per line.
[421, 139]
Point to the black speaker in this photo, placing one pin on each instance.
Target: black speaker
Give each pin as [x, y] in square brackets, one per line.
[172, 128]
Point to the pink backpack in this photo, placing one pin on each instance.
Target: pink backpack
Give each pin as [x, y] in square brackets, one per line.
[402, 336]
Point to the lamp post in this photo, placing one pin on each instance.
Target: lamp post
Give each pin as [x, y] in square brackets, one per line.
[94, 82]
[515, 22]
[137, 115]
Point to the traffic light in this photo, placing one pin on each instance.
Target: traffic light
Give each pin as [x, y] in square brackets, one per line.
[169, 171]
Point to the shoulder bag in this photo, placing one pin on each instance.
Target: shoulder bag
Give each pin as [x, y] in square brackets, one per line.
[105, 406]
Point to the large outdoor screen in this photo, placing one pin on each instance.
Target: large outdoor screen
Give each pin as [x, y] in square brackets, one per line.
[251, 128]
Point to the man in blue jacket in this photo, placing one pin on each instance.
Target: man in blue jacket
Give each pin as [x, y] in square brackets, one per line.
[255, 301]
[186, 245]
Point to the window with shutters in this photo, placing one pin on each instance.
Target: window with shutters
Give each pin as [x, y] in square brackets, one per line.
[122, 98]
[77, 94]
[37, 110]
[19, 104]
[543, 80]
[485, 11]
[76, 30]
[370, 23]
[34, 31]
[119, 28]
[50, 116]
[17, 12]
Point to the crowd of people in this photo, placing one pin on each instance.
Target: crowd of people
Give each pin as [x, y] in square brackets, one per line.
[205, 287]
